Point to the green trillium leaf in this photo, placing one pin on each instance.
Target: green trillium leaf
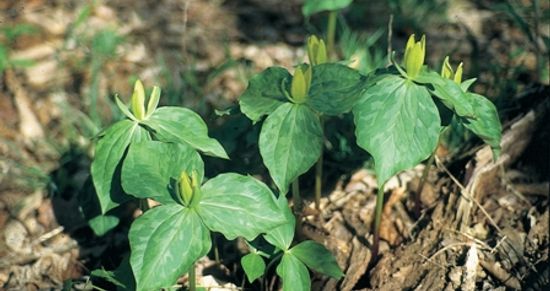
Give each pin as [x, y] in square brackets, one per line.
[450, 93]
[110, 151]
[454, 98]
[294, 274]
[175, 124]
[317, 258]
[164, 243]
[465, 85]
[335, 88]
[315, 6]
[149, 166]
[102, 224]
[398, 123]
[282, 236]
[237, 205]
[253, 266]
[265, 93]
[290, 143]
[108, 276]
[487, 126]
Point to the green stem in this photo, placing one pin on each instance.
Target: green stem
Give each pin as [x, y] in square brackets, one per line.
[377, 220]
[296, 197]
[331, 31]
[192, 278]
[318, 181]
[319, 171]
[421, 185]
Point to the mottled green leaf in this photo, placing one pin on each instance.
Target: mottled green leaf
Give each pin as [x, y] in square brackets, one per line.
[291, 140]
[315, 6]
[176, 124]
[487, 125]
[398, 123]
[102, 224]
[282, 236]
[454, 98]
[294, 274]
[335, 88]
[150, 165]
[317, 258]
[465, 85]
[109, 152]
[253, 266]
[108, 276]
[238, 205]
[264, 93]
[449, 92]
[164, 243]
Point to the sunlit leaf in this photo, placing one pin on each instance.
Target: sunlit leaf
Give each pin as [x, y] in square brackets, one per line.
[315, 6]
[165, 242]
[176, 124]
[253, 266]
[238, 205]
[110, 150]
[294, 274]
[398, 123]
[290, 143]
[150, 165]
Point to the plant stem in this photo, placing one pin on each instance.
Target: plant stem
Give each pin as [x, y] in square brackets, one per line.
[192, 278]
[331, 31]
[296, 197]
[421, 185]
[319, 170]
[377, 220]
[318, 181]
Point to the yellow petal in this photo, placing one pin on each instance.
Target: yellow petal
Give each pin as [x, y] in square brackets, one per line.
[153, 101]
[422, 50]
[409, 46]
[298, 87]
[458, 74]
[321, 54]
[312, 43]
[138, 100]
[446, 69]
[185, 187]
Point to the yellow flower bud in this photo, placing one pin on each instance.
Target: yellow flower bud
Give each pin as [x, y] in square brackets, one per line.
[185, 188]
[138, 101]
[415, 53]
[447, 71]
[301, 82]
[316, 50]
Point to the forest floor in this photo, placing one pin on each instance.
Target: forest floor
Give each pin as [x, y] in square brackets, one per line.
[481, 225]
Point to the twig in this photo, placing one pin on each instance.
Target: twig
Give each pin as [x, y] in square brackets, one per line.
[431, 261]
[467, 194]
[48, 235]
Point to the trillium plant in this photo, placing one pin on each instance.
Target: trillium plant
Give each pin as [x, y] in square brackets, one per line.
[398, 122]
[291, 138]
[154, 153]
